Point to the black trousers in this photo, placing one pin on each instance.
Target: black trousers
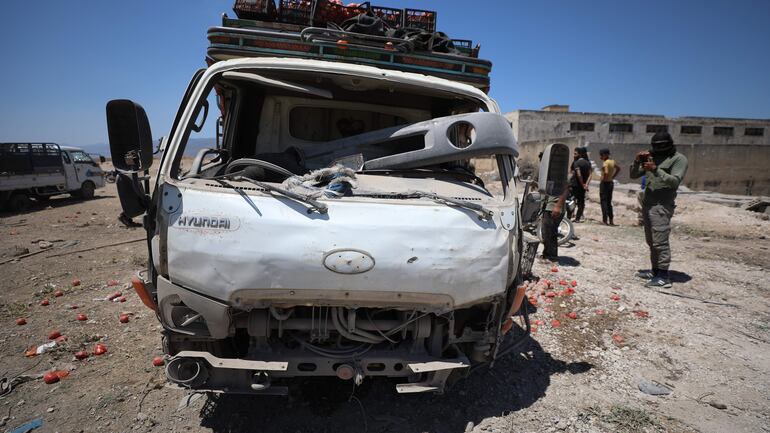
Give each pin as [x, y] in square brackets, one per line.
[580, 200]
[605, 194]
[550, 234]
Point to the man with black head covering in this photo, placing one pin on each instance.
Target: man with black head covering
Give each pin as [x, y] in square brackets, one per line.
[664, 169]
[581, 176]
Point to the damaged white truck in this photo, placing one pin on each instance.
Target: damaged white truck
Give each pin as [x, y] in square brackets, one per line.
[338, 226]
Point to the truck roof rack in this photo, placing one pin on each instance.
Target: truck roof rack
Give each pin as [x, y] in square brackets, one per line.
[238, 38]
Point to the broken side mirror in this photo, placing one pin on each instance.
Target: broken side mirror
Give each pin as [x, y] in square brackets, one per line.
[554, 167]
[130, 136]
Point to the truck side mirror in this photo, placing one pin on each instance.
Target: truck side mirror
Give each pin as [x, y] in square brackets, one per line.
[130, 135]
[554, 167]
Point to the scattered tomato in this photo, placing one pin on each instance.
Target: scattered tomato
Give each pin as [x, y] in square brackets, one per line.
[21, 321]
[123, 318]
[122, 299]
[618, 338]
[75, 282]
[615, 297]
[61, 374]
[572, 315]
[533, 329]
[538, 322]
[550, 295]
[641, 314]
[44, 302]
[58, 294]
[81, 354]
[100, 349]
[600, 312]
[82, 317]
[53, 335]
[562, 282]
[50, 378]
[112, 283]
[74, 307]
[574, 283]
[114, 295]
[554, 269]
[555, 323]
[158, 361]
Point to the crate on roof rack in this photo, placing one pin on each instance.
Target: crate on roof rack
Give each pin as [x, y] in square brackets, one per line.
[421, 19]
[255, 9]
[297, 11]
[465, 46]
[332, 12]
[394, 18]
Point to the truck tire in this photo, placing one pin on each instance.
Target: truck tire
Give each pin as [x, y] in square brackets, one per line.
[19, 202]
[86, 191]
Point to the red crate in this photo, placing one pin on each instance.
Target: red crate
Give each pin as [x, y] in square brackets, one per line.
[255, 9]
[333, 12]
[297, 11]
[421, 19]
[394, 18]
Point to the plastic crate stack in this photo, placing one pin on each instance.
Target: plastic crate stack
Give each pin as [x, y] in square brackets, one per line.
[297, 11]
[333, 11]
[394, 18]
[255, 9]
[420, 19]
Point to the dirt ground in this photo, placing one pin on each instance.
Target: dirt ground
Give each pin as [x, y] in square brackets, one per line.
[711, 348]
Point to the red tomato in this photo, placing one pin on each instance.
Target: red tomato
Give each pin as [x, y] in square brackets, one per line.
[74, 307]
[53, 335]
[550, 295]
[81, 354]
[75, 282]
[44, 302]
[555, 323]
[574, 283]
[100, 349]
[114, 295]
[554, 269]
[123, 318]
[615, 297]
[82, 317]
[600, 312]
[572, 315]
[122, 299]
[618, 338]
[563, 282]
[21, 321]
[50, 378]
[58, 293]
[111, 283]
[158, 361]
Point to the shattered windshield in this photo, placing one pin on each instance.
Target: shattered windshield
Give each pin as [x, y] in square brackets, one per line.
[287, 130]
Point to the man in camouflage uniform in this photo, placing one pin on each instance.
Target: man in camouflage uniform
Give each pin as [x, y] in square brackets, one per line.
[664, 169]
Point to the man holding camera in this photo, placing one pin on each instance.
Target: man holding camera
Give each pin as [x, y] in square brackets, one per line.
[664, 169]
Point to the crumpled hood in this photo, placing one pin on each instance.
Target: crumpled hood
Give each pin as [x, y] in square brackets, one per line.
[233, 247]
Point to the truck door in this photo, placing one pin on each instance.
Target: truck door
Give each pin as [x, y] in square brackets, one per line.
[70, 172]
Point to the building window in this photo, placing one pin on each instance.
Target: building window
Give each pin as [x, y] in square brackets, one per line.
[581, 126]
[754, 132]
[691, 129]
[654, 129]
[724, 130]
[621, 127]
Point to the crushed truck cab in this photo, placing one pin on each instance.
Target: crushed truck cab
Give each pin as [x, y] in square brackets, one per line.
[338, 226]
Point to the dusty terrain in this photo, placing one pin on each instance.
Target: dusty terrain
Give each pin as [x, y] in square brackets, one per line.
[581, 376]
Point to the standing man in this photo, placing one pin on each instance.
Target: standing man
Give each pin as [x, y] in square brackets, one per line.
[664, 169]
[609, 171]
[581, 176]
[552, 215]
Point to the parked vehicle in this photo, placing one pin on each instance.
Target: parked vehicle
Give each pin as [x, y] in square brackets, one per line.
[41, 170]
[339, 228]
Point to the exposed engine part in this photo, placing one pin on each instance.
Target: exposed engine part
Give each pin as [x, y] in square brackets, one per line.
[187, 372]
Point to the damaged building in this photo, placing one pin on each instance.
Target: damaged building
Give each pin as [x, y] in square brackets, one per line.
[725, 155]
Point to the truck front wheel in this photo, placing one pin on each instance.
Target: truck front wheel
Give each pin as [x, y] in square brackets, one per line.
[86, 191]
[19, 202]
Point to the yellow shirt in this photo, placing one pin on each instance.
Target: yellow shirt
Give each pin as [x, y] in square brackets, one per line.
[608, 170]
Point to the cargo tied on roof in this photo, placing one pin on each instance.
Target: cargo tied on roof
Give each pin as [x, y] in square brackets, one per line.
[389, 38]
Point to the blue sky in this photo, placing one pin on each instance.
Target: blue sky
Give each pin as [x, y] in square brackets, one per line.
[63, 60]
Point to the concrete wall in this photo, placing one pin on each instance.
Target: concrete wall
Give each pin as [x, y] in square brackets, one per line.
[733, 165]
